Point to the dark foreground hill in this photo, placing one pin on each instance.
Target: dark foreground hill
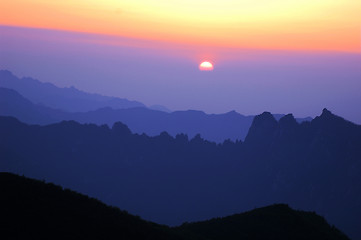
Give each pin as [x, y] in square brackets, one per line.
[275, 222]
[312, 166]
[31, 209]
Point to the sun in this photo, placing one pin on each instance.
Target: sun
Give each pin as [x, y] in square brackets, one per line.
[206, 66]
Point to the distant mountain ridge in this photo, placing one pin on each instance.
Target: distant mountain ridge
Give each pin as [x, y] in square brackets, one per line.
[66, 99]
[33, 209]
[312, 166]
[213, 127]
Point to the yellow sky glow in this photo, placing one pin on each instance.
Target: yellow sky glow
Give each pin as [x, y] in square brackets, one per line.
[331, 25]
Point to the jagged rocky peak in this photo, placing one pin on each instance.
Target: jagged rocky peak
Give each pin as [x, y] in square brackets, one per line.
[264, 120]
[328, 116]
[326, 112]
[263, 127]
[331, 122]
[288, 121]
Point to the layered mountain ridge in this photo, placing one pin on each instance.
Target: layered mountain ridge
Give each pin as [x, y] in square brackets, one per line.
[34, 209]
[312, 166]
[66, 99]
[213, 127]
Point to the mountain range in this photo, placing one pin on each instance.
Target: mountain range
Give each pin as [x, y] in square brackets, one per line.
[34, 102]
[33, 209]
[313, 166]
[214, 127]
[66, 99]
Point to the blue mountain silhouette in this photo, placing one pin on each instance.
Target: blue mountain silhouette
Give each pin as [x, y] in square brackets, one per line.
[33, 209]
[67, 99]
[311, 166]
[213, 127]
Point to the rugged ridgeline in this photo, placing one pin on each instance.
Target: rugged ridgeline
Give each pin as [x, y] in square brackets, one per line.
[312, 166]
[32, 209]
[213, 127]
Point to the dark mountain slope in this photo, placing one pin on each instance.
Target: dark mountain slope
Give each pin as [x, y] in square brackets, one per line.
[32, 209]
[276, 222]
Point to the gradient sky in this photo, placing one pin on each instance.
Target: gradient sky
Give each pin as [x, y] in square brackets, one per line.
[276, 24]
[279, 56]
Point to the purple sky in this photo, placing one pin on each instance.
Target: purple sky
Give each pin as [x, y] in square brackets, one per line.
[248, 81]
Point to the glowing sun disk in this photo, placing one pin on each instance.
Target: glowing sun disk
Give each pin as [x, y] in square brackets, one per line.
[206, 66]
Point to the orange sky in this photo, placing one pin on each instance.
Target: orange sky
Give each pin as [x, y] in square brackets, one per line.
[331, 25]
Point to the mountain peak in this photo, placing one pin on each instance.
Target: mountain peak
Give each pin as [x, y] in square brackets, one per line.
[288, 121]
[288, 117]
[266, 118]
[328, 115]
[326, 112]
[263, 127]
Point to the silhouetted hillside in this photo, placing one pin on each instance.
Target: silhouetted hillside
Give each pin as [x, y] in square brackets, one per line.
[213, 127]
[311, 166]
[33, 209]
[273, 222]
[67, 99]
